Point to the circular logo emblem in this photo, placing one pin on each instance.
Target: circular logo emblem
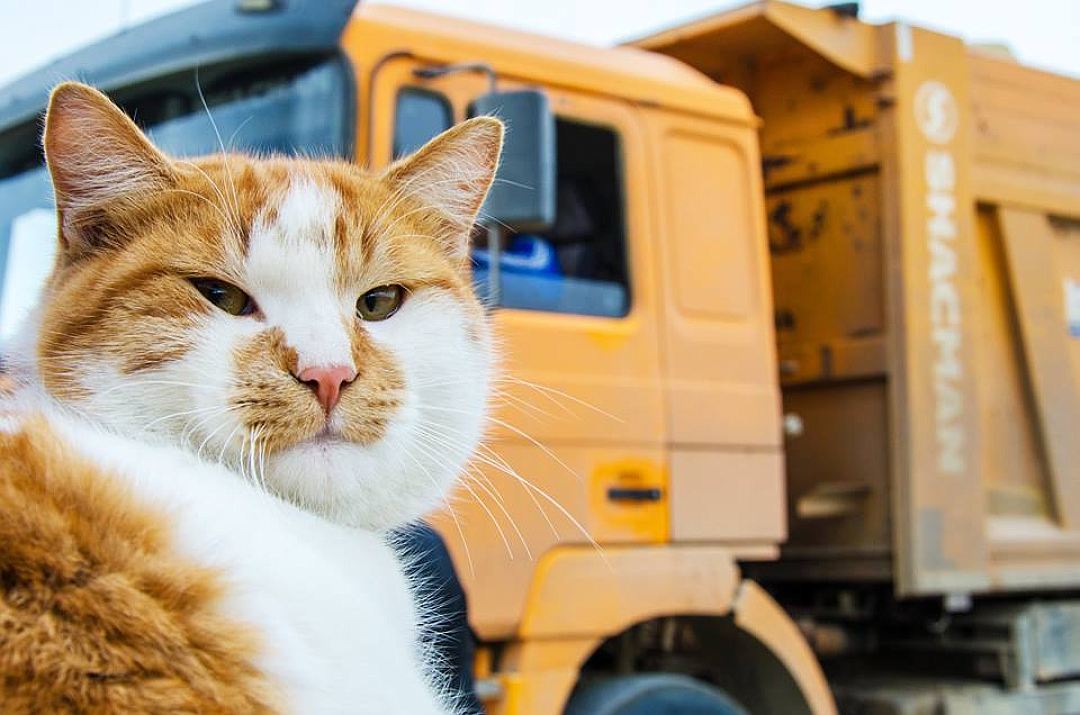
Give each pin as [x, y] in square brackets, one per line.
[936, 112]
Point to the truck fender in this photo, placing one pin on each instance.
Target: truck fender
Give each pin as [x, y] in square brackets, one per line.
[582, 596]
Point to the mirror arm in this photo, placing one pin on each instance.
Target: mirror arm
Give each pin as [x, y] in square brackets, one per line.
[495, 234]
[436, 71]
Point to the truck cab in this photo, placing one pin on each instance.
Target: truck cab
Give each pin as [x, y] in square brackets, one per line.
[636, 456]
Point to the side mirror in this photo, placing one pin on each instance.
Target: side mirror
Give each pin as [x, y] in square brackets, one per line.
[523, 195]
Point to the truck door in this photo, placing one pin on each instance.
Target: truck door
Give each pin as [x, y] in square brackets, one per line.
[581, 415]
[717, 340]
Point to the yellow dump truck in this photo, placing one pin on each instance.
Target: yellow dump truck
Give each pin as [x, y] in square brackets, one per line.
[791, 317]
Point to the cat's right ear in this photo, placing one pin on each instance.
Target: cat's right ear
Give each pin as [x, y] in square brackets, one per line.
[100, 162]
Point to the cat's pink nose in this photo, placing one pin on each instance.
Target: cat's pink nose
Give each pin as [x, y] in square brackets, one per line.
[327, 382]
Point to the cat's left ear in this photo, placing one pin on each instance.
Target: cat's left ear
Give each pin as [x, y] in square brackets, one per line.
[452, 173]
[100, 163]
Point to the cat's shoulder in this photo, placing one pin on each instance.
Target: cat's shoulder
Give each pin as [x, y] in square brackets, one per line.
[181, 582]
[100, 610]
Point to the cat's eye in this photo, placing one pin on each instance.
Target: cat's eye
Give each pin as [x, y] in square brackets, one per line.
[225, 296]
[380, 303]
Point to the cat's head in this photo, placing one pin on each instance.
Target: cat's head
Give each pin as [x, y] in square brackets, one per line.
[311, 325]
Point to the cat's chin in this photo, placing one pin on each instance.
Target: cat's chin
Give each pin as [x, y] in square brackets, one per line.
[363, 486]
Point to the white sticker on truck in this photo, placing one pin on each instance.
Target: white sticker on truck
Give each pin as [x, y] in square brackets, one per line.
[936, 115]
[30, 255]
[1072, 306]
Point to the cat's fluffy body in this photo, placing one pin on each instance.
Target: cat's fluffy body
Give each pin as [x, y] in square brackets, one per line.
[197, 417]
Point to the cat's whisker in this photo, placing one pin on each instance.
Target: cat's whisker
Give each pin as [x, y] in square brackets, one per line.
[225, 444]
[256, 461]
[437, 432]
[486, 455]
[247, 456]
[197, 410]
[232, 137]
[484, 483]
[570, 517]
[196, 425]
[231, 220]
[529, 408]
[495, 461]
[549, 391]
[483, 217]
[475, 470]
[206, 440]
[221, 144]
[498, 527]
[400, 193]
[241, 459]
[502, 467]
[191, 426]
[212, 205]
[450, 509]
[502, 535]
[506, 425]
[496, 393]
[150, 383]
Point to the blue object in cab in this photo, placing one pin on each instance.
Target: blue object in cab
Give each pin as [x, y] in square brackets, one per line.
[524, 254]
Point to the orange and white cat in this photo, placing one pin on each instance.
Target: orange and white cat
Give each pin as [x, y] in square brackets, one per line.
[242, 373]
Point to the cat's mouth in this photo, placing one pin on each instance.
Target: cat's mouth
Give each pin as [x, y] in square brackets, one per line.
[327, 436]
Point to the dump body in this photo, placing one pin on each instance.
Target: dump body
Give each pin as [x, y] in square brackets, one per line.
[923, 201]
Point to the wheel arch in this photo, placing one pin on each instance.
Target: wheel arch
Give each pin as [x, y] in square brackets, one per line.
[582, 598]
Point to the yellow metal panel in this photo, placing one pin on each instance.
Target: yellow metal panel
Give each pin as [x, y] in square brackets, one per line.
[719, 366]
[1013, 467]
[1045, 272]
[845, 41]
[579, 591]
[940, 541]
[709, 176]
[748, 31]
[825, 243]
[1027, 136]
[837, 152]
[838, 469]
[727, 496]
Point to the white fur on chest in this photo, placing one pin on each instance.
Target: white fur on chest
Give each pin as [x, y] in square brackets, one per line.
[331, 604]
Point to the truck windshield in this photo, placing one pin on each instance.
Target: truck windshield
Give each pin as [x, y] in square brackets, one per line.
[298, 108]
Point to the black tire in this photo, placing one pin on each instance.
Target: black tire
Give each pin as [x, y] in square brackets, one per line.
[651, 694]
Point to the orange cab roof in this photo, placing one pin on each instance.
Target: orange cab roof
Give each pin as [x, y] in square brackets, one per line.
[628, 72]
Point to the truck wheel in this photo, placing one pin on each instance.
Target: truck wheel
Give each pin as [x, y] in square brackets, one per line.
[651, 694]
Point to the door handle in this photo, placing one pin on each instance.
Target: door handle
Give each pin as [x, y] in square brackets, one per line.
[630, 494]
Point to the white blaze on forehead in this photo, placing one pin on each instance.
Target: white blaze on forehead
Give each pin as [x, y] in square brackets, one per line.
[291, 271]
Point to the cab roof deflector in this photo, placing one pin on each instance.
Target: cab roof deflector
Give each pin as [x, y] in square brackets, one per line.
[208, 33]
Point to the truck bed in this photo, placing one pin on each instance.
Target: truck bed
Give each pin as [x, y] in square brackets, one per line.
[923, 201]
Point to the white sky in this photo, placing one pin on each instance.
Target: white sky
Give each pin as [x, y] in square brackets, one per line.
[1045, 33]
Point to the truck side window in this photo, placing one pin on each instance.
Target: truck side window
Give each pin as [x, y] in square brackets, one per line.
[579, 264]
[420, 115]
